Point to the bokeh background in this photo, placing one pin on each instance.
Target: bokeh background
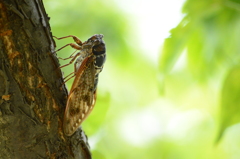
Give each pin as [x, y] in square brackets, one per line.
[170, 88]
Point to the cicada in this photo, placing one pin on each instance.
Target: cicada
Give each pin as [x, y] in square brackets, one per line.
[82, 96]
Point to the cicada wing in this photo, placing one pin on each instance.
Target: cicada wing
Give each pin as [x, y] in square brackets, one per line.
[82, 97]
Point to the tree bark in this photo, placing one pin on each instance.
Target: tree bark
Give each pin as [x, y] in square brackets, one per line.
[32, 94]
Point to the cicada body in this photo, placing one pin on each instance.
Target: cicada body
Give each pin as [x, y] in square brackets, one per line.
[82, 96]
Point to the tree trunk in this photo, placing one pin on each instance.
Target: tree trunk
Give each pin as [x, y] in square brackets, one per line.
[32, 97]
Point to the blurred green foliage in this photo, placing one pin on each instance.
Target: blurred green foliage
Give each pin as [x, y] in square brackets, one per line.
[198, 73]
[208, 39]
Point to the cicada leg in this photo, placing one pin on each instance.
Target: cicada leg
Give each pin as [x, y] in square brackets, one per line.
[71, 56]
[67, 78]
[77, 46]
[74, 73]
[73, 59]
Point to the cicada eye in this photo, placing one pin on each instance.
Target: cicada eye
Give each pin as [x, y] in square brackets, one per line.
[99, 49]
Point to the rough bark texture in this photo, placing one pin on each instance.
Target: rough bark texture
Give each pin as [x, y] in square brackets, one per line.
[32, 98]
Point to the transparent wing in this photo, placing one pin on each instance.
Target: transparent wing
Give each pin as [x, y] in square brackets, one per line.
[81, 98]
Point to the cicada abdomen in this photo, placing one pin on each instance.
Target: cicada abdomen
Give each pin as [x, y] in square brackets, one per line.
[82, 96]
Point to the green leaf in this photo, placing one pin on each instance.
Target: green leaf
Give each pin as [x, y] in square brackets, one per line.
[230, 100]
[173, 47]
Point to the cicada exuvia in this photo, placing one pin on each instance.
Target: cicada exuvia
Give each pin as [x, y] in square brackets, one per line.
[82, 95]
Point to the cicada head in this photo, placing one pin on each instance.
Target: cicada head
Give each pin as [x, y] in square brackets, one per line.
[99, 51]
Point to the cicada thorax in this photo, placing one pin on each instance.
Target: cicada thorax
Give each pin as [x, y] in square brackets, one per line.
[82, 96]
[99, 52]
